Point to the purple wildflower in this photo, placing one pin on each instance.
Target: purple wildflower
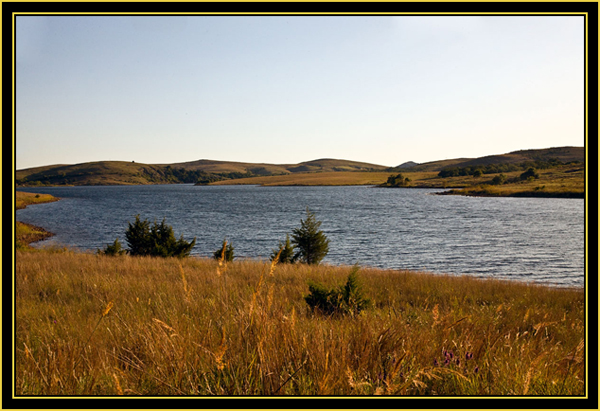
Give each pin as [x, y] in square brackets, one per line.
[469, 355]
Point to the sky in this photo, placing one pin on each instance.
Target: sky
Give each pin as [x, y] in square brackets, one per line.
[287, 89]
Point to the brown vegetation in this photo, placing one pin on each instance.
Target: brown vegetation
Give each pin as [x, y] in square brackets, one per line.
[96, 325]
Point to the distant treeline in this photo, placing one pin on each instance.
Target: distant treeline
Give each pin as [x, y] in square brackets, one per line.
[181, 175]
[500, 168]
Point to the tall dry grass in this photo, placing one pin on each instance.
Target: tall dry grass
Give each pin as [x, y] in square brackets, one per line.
[89, 324]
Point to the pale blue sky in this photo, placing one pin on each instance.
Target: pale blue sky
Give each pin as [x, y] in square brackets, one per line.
[287, 89]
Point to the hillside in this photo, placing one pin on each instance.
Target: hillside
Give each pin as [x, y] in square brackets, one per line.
[211, 171]
[562, 154]
[95, 173]
[127, 173]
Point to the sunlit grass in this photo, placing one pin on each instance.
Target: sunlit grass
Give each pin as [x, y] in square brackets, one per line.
[90, 324]
[23, 199]
[314, 179]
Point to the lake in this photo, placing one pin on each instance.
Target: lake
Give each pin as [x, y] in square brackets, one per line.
[537, 240]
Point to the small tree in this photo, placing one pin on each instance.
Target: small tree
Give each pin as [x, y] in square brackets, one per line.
[113, 249]
[285, 251]
[311, 243]
[157, 240]
[224, 253]
[138, 237]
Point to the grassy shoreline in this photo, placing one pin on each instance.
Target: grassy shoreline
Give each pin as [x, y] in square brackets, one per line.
[28, 233]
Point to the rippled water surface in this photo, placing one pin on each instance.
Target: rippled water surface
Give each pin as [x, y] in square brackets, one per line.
[525, 239]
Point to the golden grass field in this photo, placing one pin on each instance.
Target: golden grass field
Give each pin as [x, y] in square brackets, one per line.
[330, 178]
[96, 325]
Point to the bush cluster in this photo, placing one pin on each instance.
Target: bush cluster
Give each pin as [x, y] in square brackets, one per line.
[397, 181]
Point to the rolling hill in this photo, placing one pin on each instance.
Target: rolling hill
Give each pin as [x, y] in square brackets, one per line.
[562, 154]
[207, 171]
[129, 173]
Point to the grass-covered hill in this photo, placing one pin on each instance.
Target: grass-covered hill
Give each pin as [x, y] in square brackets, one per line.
[562, 154]
[123, 172]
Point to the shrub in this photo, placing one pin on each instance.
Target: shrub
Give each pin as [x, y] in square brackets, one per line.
[346, 299]
[157, 240]
[224, 253]
[530, 174]
[113, 249]
[285, 252]
[311, 243]
[499, 179]
[397, 181]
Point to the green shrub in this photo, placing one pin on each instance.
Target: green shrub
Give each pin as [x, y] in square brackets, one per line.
[530, 174]
[285, 252]
[397, 181]
[224, 253]
[346, 299]
[499, 179]
[113, 249]
[156, 240]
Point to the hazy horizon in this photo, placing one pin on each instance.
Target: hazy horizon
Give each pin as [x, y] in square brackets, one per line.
[382, 90]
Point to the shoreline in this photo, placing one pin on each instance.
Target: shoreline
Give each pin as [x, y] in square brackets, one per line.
[25, 233]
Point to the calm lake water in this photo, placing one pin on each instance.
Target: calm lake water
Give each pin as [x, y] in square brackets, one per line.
[525, 239]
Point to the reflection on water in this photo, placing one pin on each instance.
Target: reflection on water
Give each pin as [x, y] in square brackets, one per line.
[525, 239]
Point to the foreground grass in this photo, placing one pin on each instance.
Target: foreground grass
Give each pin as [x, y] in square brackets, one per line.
[90, 324]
